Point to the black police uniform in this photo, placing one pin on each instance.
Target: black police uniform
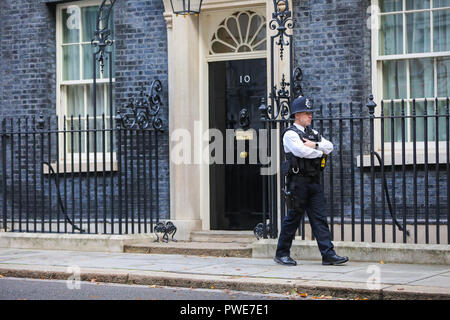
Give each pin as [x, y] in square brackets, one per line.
[305, 194]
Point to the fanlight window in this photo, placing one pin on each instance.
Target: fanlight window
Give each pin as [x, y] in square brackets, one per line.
[240, 32]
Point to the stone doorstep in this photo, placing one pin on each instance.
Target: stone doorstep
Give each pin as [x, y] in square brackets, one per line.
[221, 236]
[241, 250]
[339, 289]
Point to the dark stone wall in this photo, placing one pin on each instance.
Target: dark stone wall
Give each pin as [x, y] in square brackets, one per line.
[332, 45]
[28, 87]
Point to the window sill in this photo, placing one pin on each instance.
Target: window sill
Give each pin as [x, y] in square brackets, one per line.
[409, 158]
[75, 168]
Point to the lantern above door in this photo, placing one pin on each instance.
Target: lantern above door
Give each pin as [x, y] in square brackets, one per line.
[186, 7]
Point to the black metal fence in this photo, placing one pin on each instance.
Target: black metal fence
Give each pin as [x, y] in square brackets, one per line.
[387, 179]
[67, 175]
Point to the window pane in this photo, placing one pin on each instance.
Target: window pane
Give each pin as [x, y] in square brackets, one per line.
[442, 121]
[393, 109]
[106, 62]
[75, 101]
[421, 78]
[71, 24]
[443, 76]
[441, 25]
[418, 32]
[108, 136]
[107, 106]
[88, 60]
[92, 136]
[420, 121]
[390, 5]
[417, 4]
[89, 19]
[71, 62]
[75, 136]
[441, 3]
[394, 79]
[100, 99]
[391, 34]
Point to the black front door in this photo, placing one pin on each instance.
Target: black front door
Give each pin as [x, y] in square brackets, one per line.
[235, 91]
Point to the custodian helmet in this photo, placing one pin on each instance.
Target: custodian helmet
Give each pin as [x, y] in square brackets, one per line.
[300, 104]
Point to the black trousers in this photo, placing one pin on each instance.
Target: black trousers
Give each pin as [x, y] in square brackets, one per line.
[311, 197]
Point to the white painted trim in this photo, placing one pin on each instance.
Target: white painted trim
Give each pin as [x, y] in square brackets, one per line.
[237, 56]
[377, 79]
[208, 24]
[420, 158]
[60, 83]
[413, 55]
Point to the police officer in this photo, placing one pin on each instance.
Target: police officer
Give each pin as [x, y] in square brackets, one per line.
[305, 151]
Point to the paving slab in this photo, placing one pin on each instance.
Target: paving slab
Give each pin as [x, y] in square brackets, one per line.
[433, 281]
[247, 274]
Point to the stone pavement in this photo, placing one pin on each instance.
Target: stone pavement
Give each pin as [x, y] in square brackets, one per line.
[354, 279]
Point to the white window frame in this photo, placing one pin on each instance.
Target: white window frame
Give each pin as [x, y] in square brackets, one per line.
[377, 87]
[61, 97]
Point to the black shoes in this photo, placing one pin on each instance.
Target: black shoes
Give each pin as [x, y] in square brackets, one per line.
[286, 261]
[333, 259]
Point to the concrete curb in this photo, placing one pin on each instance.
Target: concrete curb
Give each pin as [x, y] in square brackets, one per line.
[361, 251]
[71, 242]
[239, 283]
[193, 248]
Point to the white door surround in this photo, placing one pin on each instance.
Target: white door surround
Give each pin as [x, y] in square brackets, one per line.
[189, 43]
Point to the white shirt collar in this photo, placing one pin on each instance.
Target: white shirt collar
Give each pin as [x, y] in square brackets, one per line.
[299, 127]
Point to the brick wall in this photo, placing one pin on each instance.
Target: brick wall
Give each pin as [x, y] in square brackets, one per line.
[28, 76]
[332, 45]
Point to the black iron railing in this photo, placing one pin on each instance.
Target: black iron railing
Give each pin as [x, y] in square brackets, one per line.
[64, 175]
[387, 179]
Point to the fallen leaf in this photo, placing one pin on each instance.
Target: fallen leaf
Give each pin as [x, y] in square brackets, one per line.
[93, 280]
[1, 276]
[152, 286]
[382, 262]
[303, 294]
[212, 287]
[401, 289]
